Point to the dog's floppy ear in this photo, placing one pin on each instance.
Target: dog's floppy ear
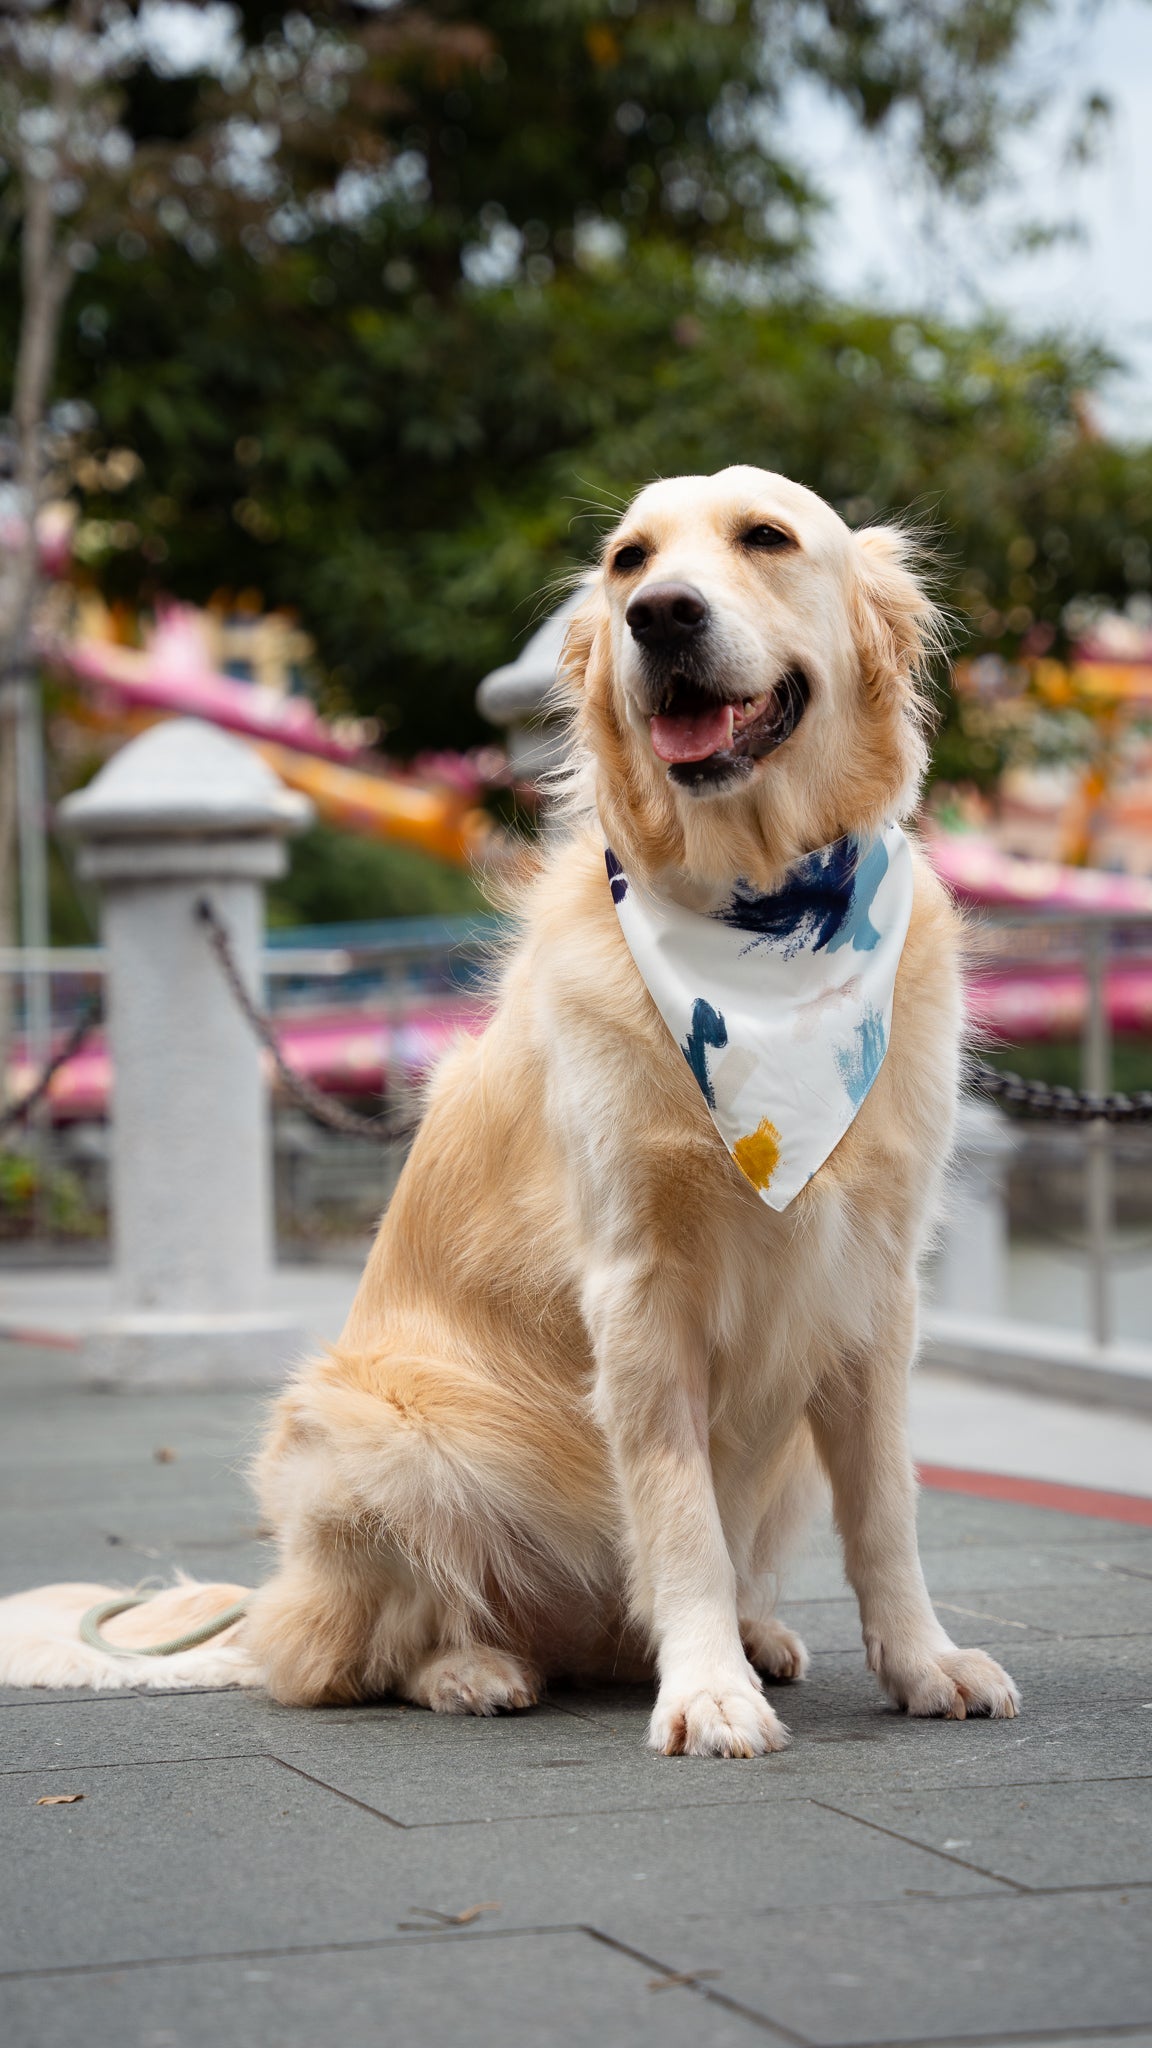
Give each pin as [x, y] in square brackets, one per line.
[898, 627]
[579, 642]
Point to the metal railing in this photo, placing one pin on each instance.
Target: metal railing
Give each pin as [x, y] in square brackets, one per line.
[387, 971]
[387, 978]
[1092, 945]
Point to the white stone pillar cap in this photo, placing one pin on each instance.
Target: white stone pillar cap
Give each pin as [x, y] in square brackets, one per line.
[184, 801]
[185, 779]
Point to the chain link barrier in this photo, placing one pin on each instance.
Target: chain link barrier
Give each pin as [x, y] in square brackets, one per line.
[18, 1112]
[304, 1093]
[1057, 1104]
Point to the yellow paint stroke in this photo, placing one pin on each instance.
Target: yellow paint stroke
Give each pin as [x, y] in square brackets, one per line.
[758, 1155]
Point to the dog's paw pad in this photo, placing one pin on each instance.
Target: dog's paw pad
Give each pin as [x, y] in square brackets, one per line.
[725, 1720]
[953, 1685]
[774, 1649]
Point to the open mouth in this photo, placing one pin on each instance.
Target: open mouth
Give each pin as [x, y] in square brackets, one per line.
[704, 740]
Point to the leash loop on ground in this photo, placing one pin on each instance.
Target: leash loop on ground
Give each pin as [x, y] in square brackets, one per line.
[106, 1610]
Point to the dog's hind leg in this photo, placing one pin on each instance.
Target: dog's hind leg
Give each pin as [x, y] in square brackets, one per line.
[338, 1622]
[399, 1490]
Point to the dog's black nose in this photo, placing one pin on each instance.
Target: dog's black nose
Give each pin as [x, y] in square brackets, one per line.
[664, 614]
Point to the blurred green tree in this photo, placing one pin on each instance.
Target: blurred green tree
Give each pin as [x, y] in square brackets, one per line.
[537, 253]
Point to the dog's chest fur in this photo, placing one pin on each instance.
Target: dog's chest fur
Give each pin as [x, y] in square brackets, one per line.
[780, 1299]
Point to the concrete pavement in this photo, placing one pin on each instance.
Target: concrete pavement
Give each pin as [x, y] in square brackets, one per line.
[240, 1874]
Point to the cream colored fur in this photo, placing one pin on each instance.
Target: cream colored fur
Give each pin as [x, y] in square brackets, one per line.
[40, 1640]
[590, 1382]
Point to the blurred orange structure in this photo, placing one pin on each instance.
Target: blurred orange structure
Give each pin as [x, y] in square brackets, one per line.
[174, 674]
[1093, 807]
[437, 820]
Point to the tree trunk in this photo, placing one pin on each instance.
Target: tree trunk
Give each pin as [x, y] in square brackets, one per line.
[45, 278]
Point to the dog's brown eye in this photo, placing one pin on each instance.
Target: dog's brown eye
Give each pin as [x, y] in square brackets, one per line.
[629, 558]
[767, 537]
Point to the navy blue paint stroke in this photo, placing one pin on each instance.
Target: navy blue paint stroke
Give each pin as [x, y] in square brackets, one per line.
[819, 905]
[708, 1030]
[617, 879]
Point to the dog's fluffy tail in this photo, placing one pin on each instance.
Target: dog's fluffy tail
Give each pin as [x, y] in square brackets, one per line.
[40, 1641]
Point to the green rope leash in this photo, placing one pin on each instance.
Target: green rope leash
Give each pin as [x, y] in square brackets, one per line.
[90, 1624]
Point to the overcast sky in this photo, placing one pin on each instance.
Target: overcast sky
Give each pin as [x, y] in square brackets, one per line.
[879, 239]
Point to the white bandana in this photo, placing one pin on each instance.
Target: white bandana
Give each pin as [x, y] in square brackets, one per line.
[781, 1004]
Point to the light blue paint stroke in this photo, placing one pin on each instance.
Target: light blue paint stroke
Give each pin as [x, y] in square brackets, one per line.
[859, 1062]
[858, 930]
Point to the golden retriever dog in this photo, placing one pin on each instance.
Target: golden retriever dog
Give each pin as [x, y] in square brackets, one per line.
[590, 1380]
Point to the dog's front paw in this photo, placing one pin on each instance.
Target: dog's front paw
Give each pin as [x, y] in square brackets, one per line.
[774, 1649]
[730, 1717]
[949, 1683]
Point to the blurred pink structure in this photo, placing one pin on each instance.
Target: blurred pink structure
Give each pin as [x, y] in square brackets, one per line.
[1018, 1002]
[980, 874]
[360, 1056]
[173, 673]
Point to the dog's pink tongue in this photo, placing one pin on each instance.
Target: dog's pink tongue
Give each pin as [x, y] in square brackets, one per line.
[692, 735]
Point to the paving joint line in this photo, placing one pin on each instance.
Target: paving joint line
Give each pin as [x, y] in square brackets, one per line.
[349, 1798]
[367, 1944]
[705, 1991]
[944, 1855]
[87, 1699]
[1122, 2030]
[140, 1763]
[487, 1820]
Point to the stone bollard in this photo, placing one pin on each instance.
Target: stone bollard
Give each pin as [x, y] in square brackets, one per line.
[971, 1272]
[517, 696]
[182, 812]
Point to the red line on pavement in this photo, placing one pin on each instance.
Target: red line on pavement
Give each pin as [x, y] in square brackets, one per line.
[1039, 1493]
[48, 1340]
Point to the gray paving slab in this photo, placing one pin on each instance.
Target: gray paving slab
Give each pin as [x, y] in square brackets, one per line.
[1112, 1605]
[586, 1751]
[965, 1522]
[955, 1570]
[419, 1775]
[125, 1548]
[561, 1989]
[977, 1969]
[299, 1856]
[832, 1627]
[279, 1853]
[180, 1859]
[976, 1554]
[1103, 1828]
[129, 1727]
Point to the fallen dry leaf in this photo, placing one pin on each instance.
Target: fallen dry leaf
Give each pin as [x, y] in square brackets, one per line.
[682, 1977]
[164, 1454]
[439, 1919]
[59, 1798]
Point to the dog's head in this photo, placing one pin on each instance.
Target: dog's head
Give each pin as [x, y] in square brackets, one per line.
[747, 674]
